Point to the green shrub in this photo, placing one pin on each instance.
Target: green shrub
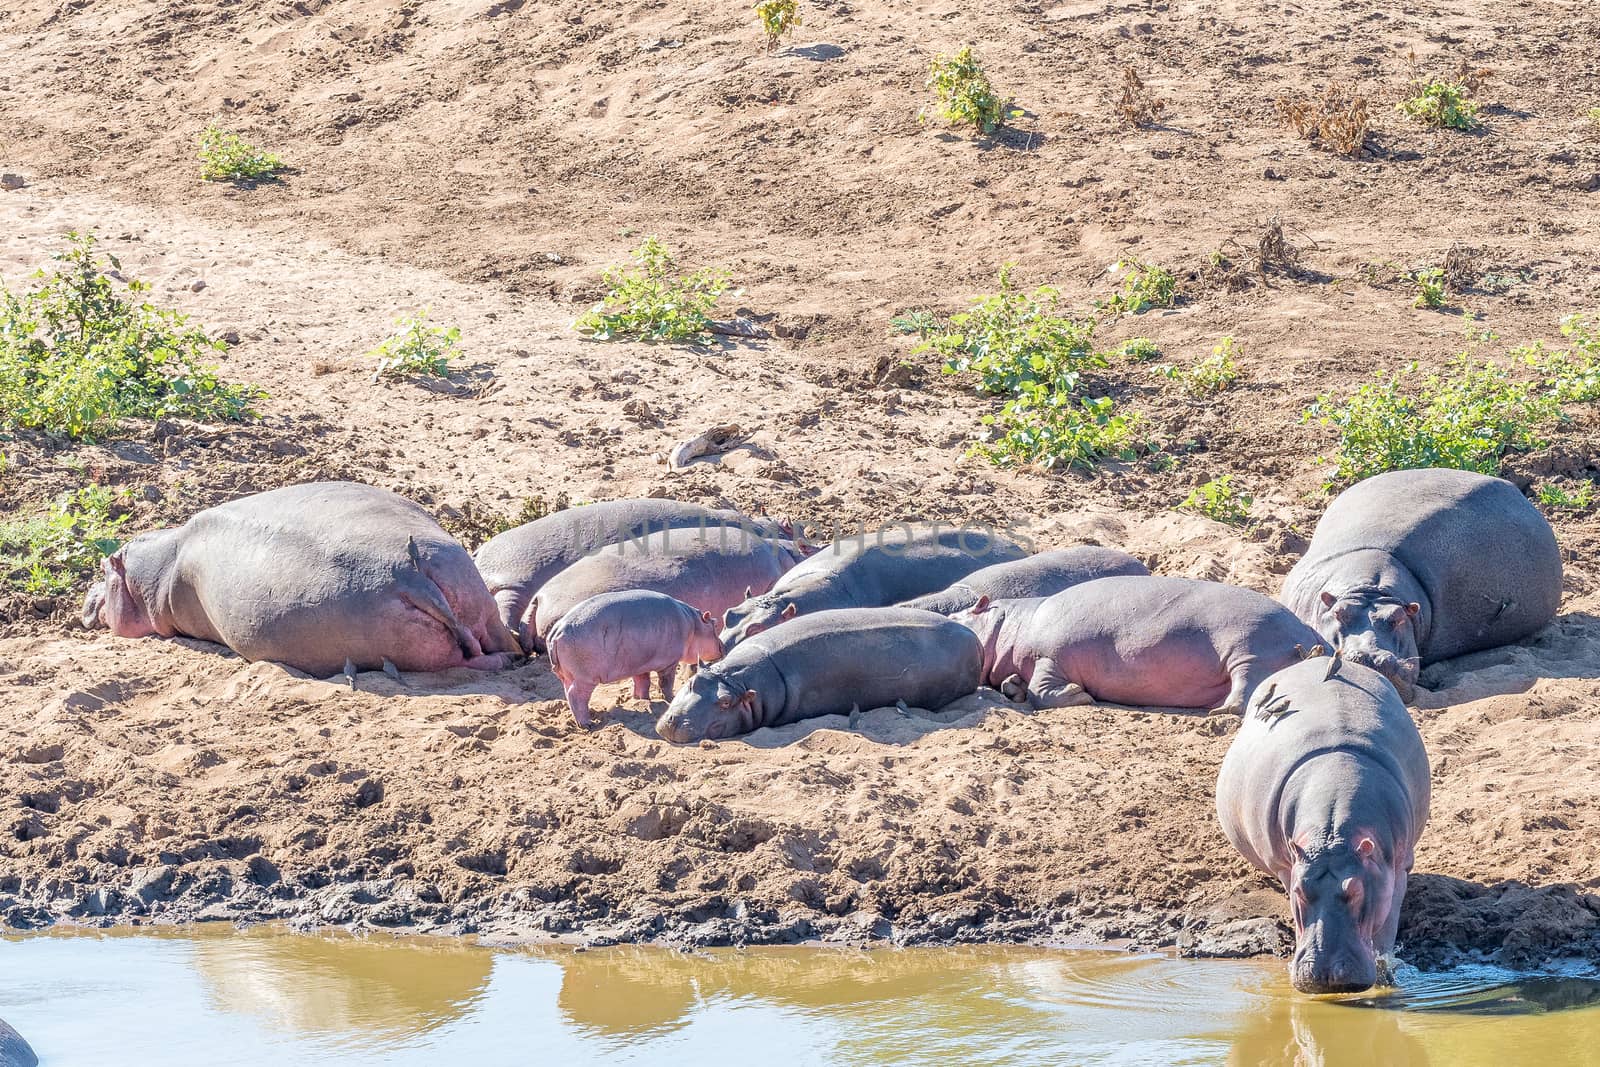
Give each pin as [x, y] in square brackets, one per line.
[78, 354]
[53, 554]
[1465, 417]
[777, 17]
[1570, 375]
[1139, 349]
[914, 321]
[1209, 376]
[1554, 496]
[417, 349]
[1430, 287]
[225, 157]
[1056, 429]
[965, 96]
[1443, 104]
[1218, 500]
[1144, 286]
[1011, 339]
[652, 303]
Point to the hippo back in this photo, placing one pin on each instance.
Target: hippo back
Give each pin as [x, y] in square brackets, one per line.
[1039, 575]
[899, 562]
[14, 1051]
[1356, 711]
[1483, 555]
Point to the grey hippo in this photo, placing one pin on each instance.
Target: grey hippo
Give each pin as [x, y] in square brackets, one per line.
[1038, 575]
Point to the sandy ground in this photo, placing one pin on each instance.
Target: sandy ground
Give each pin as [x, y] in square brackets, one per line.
[487, 161]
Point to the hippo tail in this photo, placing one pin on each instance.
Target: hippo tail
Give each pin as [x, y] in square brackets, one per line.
[424, 595]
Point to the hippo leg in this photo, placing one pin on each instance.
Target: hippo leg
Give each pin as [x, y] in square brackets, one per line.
[578, 694]
[423, 595]
[1244, 680]
[491, 661]
[641, 686]
[1049, 689]
[668, 677]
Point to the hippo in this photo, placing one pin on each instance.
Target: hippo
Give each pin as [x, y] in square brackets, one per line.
[14, 1052]
[1326, 786]
[517, 563]
[1035, 576]
[1145, 641]
[825, 663]
[711, 569]
[321, 577]
[1412, 567]
[870, 570]
[629, 634]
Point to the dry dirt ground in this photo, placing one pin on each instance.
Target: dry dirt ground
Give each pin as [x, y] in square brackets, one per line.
[488, 158]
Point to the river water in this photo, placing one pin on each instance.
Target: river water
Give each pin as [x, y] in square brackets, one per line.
[217, 997]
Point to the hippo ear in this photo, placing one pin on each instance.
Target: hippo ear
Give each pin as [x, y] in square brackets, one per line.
[790, 612]
[1412, 609]
[705, 616]
[1366, 846]
[982, 605]
[1328, 599]
[748, 698]
[118, 564]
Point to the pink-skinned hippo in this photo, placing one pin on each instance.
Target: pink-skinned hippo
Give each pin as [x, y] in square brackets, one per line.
[825, 663]
[1326, 787]
[1412, 567]
[710, 569]
[1144, 641]
[1043, 574]
[869, 570]
[630, 634]
[517, 563]
[14, 1051]
[312, 576]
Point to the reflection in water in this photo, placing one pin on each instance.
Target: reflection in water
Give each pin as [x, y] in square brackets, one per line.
[338, 984]
[267, 997]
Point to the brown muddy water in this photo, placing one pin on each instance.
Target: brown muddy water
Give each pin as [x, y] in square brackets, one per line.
[262, 996]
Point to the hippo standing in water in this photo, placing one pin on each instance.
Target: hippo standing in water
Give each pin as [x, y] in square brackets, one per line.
[1326, 786]
[630, 634]
[14, 1052]
[1145, 641]
[1039, 575]
[823, 664]
[870, 570]
[313, 576]
[517, 563]
[1413, 567]
[711, 569]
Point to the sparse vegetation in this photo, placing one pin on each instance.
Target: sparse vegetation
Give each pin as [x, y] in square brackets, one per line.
[1593, 115]
[914, 321]
[55, 553]
[1138, 106]
[1217, 499]
[965, 95]
[652, 302]
[472, 524]
[1569, 375]
[777, 18]
[1139, 350]
[226, 157]
[1021, 348]
[1555, 496]
[1210, 375]
[1466, 416]
[418, 349]
[1338, 120]
[79, 353]
[1430, 287]
[1144, 286]
[1447, 105]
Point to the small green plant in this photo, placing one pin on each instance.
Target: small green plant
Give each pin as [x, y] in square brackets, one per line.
[1217, 499]
[1552, 495]
[965, 96]
[53, 554]
[914, 321]
[652, 302]
[1570, 375]
[1466, 417]
[1430, 287]
[1139, 350]
[1056, 429]
[1144, 286]
[1443, 104]
[78, 353]
[1011, 339]
[777, 17]
[1593, 115]
[225, 157]
[1210, 375]
[418, 349]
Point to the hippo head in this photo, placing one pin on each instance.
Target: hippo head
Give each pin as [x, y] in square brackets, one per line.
[709, 707]
[1375, 630]
[754, 615]
[116, 603]
[1340, 894]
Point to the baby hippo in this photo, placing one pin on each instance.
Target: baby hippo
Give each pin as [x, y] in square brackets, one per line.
[822, 664]
[1043, 574]
[1326, 787]
[1144, 641]
[630, 634]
